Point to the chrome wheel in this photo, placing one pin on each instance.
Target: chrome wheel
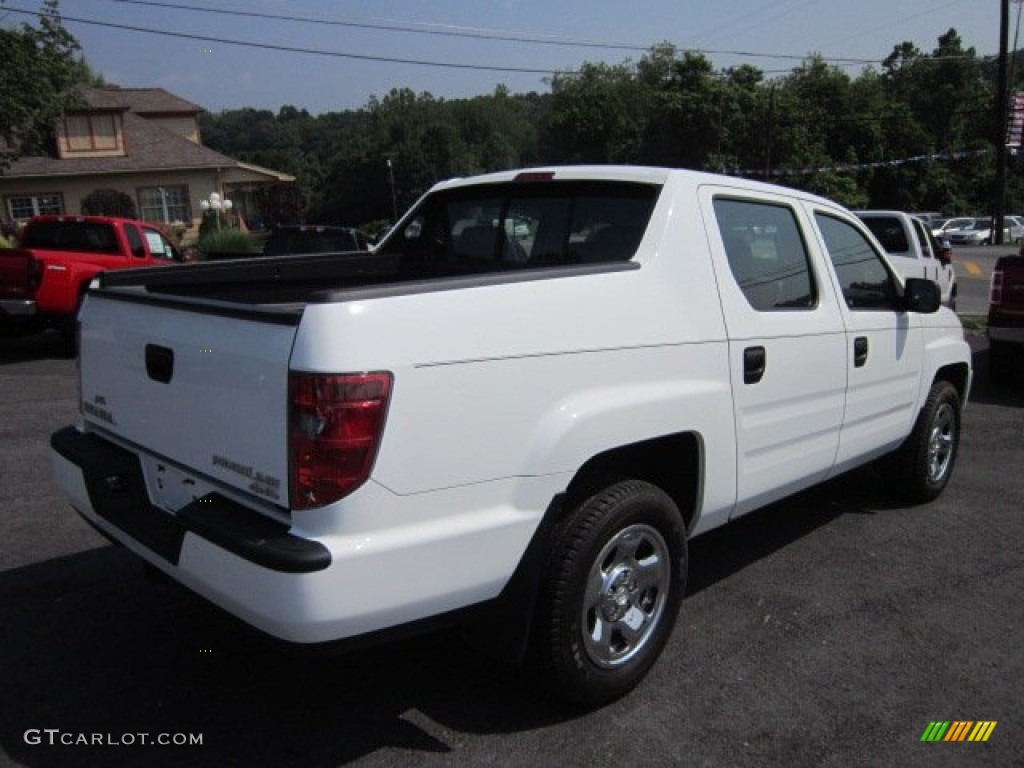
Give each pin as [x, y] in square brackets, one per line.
[941, 443]
[627, 589]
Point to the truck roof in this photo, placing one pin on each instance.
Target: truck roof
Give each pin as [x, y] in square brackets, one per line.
[93, 219]
[628, 173]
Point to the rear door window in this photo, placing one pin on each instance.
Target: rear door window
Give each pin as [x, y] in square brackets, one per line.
[766, 254]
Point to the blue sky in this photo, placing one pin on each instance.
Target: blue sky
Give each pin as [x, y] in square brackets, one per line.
[221, 75]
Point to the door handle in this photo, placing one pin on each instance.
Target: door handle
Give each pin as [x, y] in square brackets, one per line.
[860, 351]
[755, 360]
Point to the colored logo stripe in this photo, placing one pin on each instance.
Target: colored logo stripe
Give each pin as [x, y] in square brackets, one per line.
[982, 730]
[958, 730]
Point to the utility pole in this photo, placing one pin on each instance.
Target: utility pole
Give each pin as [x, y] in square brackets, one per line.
[1002, 105]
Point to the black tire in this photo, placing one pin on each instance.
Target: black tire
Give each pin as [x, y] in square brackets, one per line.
[923, 465]
[610, 595]
[1002, 362]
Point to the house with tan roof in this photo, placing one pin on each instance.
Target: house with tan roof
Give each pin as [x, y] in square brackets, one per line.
[144, 142]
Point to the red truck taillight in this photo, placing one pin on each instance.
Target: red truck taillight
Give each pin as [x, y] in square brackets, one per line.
[996, 292]
[33, 275]
[335, 423]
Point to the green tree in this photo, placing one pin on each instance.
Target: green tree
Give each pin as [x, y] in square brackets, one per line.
[39, 71]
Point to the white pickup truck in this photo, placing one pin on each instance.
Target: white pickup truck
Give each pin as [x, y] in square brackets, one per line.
[521, 431]
[914, 250]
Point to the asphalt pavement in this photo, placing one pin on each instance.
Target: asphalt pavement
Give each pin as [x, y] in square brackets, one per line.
[829, 630]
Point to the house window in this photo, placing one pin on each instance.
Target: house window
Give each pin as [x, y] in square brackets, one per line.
[90, 132]
[164, 204]
[24, 207]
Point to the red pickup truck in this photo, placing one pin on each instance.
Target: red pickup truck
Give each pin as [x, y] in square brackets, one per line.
[43, 280]
[1006, 319]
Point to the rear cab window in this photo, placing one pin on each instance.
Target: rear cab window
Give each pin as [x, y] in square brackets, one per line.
[890, 233]
[522, 225]
[84, 236]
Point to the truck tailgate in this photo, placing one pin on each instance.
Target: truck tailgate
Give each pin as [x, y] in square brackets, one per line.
[204, 390]
[14, 273]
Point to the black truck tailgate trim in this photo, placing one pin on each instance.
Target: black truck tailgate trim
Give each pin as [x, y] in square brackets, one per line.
[117, 491]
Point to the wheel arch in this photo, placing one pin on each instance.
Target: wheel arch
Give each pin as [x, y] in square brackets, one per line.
[957, 374]
[673, 463]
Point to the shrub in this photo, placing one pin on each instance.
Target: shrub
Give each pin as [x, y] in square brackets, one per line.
[108, 202]
[224, 241]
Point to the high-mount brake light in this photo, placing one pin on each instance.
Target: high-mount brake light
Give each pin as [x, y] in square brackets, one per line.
[535, 176]
[335, 423]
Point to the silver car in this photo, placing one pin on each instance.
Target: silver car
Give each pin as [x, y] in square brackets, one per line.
[979, 232]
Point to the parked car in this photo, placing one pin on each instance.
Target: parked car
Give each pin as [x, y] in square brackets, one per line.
[942, 228]
[314, 238]
[42, 282]
[1006, 319]
[928, 217]
[979, 232]
[914, 250]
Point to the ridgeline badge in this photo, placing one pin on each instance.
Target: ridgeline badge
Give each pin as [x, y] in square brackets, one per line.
[958, 730]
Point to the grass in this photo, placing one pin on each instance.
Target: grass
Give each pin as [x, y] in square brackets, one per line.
[974, 322]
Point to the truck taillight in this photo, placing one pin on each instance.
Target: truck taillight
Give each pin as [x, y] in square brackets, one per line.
[34, 275]
[335, 423]
[996, 292]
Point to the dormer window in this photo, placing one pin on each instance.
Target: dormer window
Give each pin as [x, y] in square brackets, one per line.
[96, 133]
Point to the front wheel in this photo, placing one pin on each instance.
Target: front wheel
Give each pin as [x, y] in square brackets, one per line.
[923, 465]
[611, 593]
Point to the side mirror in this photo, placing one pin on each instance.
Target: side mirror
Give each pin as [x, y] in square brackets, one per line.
[945, 253]
[920, 295]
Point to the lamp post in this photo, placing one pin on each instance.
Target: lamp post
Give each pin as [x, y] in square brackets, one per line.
[216, 204]
[391, 182]
[163, 205]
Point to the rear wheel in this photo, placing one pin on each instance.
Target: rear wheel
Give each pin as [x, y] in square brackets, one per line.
[611, 593]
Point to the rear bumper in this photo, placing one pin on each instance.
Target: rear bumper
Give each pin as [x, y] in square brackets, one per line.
[17, 307]
[343, 581]
[1006, 334]
[116, 494]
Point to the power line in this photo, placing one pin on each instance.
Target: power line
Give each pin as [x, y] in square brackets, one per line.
[472, 32]
[413, 62]
[296, 49]
[422, 28]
